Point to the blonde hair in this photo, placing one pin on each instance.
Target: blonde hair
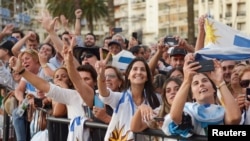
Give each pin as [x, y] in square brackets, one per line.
[32, 52]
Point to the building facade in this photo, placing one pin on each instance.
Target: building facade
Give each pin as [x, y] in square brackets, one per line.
[151, 19]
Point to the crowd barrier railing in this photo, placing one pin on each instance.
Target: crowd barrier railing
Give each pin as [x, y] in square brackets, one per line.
[149, 132]
[58, 131]
[6, 118]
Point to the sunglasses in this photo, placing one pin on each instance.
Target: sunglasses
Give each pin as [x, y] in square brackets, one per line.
[244, 83]
[87, 55]
[110, 76]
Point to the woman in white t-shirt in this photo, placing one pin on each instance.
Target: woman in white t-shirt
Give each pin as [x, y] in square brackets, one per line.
[138, 90]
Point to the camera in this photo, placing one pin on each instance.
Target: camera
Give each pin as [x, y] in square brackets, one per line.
[117, 29]
[171, 41]
[248, 93]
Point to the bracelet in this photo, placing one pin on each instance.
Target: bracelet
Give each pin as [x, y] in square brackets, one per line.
[221, 84]
[21, 72]
[44, 66]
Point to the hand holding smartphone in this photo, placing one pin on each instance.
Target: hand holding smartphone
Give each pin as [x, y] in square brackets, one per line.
[171, 41]
[248, 93]
[206, 66]
[158, 119]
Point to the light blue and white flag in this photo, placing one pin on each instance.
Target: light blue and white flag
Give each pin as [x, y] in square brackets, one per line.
[122, 59]
[224, 43]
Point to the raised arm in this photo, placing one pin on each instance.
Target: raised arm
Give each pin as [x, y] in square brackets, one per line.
[6, 31]
[65, 23]
[85, 91]
[201, 33]
[100, 68]
[232, 109]
[16, 49]
[182, 94]
[78, 14]
[154, 60]
[32, 78]
[182, 43]
[43, 60]
[49, 25]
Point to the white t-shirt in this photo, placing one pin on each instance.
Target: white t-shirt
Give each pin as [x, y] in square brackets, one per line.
[71, 98]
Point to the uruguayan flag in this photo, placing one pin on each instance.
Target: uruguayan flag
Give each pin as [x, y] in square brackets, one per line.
[224, 43]
[122, 59]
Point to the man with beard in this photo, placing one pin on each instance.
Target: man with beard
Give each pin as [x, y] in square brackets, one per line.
[227, 66]
[90, 40]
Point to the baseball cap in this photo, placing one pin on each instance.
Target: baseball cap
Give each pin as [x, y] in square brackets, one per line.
[177, 51]
[114, 42]
[9, 43]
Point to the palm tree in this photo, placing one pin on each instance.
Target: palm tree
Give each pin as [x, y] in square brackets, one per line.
[111, 13]
[93, 10]
[190, 18]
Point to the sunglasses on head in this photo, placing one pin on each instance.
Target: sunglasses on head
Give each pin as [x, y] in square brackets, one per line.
[244, 83]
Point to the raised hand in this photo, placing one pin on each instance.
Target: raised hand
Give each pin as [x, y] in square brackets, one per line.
[16, 64]
[100, 67]
[64, 21]
[190, 67]
[8, 29]
[78, 13]
[43, 58]
[201, 22]
[47, 22]
[161, 47]
[217, 75]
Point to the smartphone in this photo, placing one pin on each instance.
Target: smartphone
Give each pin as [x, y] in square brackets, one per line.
[117, 29]
[171, 41]
[38, 102]
[159, 119]
[248, 93]
[134, 34]
[206, 66]
[98, 102]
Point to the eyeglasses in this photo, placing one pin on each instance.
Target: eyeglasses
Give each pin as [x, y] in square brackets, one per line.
[244, 83]
[110, 76]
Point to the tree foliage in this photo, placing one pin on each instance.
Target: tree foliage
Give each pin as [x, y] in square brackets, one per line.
[93, 10]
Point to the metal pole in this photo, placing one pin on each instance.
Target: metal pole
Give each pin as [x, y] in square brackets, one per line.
[169, 21]
[1, 16]
[6, 121]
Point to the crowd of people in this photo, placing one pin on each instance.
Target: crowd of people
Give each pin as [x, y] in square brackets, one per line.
[160, 88]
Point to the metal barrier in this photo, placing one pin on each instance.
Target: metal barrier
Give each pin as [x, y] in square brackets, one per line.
[6, 120]
[149, 132]
[58, 129]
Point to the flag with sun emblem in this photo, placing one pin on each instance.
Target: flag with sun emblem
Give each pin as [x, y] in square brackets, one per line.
[223, 43]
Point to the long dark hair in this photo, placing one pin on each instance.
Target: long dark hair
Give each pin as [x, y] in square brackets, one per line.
[165, 109]
[148, 86]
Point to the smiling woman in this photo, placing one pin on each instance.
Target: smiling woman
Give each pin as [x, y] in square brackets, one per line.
[138, 90]
[185, 118]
